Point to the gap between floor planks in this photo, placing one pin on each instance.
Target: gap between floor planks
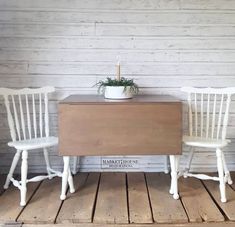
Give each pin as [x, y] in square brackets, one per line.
[10, 200]
[224, 224]
[191, 191]
[2, 181]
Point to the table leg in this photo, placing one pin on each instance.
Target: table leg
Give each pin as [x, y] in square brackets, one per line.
[65, 177]
[174, 161]
[166, 169]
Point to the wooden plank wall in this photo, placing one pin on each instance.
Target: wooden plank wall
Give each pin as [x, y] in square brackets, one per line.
[163, 44]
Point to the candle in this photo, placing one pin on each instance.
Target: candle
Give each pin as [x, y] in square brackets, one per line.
[118, 69]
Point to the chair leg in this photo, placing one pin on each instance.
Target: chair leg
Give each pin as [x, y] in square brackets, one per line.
[46, 156]
[24, 170]
[65, 177]
[221, 175]
[189, 161]
[75, 162]
[12, 169]
[174, 159]
[226, 171]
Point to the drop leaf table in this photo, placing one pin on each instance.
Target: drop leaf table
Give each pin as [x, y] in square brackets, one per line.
[90, 125]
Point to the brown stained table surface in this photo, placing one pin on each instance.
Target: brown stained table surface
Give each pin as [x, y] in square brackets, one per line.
[99, 99]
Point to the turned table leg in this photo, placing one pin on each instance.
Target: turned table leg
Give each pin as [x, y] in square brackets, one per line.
[174, 161]
[66, 178]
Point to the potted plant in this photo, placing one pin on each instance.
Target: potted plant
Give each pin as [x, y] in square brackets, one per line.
[122, 88]
[119, 88]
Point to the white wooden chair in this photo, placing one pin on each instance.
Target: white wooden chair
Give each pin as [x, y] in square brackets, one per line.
[208, 111]
[27, 115]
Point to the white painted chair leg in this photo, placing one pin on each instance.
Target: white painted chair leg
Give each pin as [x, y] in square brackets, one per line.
[12, 169]
[75, 163]
[24, 170]
[65, 176]
[46, 156]
[221, 175]
[166, 167]
[70, 181]
[189, 162]
[174, 159]
[226, 171]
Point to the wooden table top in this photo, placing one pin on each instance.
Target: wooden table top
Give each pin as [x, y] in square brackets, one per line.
[99, 99]
[92, 125]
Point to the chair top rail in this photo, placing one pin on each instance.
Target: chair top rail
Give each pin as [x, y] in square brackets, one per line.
[209, 90]
[25, 91]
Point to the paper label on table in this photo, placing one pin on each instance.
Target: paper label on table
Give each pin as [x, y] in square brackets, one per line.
[119, 163]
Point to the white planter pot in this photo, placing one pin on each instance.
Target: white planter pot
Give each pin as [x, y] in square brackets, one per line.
[118, 92]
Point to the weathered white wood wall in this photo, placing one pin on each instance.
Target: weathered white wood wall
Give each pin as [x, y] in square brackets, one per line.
[71, 44]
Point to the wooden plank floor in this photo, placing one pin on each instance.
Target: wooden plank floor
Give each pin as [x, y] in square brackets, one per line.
[112, 199]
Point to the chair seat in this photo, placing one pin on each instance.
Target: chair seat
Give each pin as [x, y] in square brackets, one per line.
[203, 142]
[34, 143]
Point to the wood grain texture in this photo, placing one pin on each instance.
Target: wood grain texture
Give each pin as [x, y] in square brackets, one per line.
[117, 202]
[79, 207]
[10, 202]
[163, 45]
[225, 224]
[2, 182]
[139, 206]
[45, 203]
[114, 129]
[197, 202]
[139, 99]
[120, 16]
[164, 208]
[123, 44]
[233, 179]
[111, 205]
[228, 207]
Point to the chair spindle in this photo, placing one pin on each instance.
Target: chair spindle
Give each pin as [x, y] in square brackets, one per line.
[213, 118]
[40, 114]
[208, 115]
[220, 116]
[202, 120]
[190, 115]
[28, 116]
[34, 117]
[22, 117]
[195, 112]
[16, 118]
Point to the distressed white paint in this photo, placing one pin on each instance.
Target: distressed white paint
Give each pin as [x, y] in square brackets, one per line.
[213, 133]
[23, 141]
[163, 45]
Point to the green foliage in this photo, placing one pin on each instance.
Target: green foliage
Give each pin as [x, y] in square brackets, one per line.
[114, 82]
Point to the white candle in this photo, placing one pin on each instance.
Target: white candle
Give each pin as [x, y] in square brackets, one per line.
[118, 68]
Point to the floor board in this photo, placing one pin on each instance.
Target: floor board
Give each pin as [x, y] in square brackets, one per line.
[120, 199]
[2, 181]
[78, 207]
[165, 208]
[111, 206]
[224, 224]
[10, 202]
[228, 207]
[45, 203]
[233, 179]
[197, 202]
[139, 207]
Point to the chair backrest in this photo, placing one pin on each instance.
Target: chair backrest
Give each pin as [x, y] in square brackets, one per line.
[27, 112]
[208, 111]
